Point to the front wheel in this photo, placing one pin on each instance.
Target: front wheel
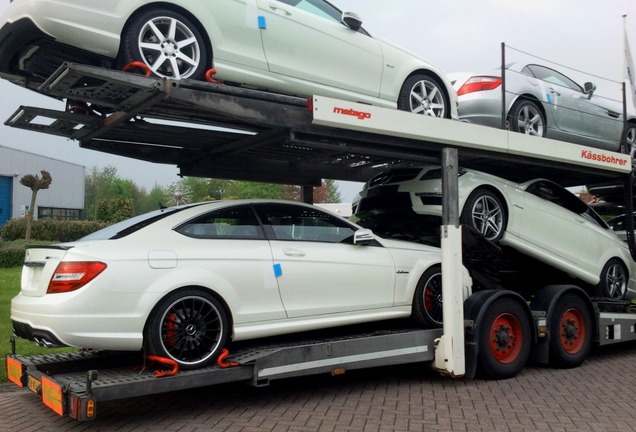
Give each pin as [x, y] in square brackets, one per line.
[427, 302]
[614, 278]
[504, 339]
[188, 326]
[424, 94]
[168, 43]
[527, 118]
[485, 212]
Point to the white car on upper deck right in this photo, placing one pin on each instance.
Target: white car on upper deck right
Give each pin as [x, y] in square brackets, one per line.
[543, 102]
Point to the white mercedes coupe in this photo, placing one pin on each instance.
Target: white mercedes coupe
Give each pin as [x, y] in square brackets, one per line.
[181, 282]
[297, 47]
[538, 218]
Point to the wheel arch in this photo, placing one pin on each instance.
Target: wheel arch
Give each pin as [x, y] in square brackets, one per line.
[175, 8]
[494, 190]
[528, 97]
[217, 296]
[441, 81]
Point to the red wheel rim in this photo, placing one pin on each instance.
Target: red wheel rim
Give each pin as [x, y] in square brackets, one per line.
[572, 331]
[506, 338]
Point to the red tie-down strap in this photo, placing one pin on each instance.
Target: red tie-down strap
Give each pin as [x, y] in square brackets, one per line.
[222, 361]
[166, 362]
[141, 66]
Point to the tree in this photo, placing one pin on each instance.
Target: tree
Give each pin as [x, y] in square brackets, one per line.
[35, 183]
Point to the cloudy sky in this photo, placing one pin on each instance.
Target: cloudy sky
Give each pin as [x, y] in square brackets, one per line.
[457, 35]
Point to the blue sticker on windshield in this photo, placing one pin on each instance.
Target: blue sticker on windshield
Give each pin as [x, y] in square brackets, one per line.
[262, 24]
[278, 270]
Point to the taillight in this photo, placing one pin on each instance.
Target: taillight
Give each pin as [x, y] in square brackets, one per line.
[70, 276]
[479, 83]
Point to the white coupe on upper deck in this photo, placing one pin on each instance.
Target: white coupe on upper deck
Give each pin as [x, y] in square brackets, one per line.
[298, 47]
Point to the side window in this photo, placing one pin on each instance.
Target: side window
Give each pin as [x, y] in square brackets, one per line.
[316, 7]
[229, 223]
[299, 223]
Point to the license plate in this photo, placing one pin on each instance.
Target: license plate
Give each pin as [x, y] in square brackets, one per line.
[34, 385]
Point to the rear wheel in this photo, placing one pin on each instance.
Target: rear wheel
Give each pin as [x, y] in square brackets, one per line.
[527, 118]
[504, 339]
[168, 43]
[613, 283]
[427, 302]
[424, 94]
[570, 332]
[189, 327]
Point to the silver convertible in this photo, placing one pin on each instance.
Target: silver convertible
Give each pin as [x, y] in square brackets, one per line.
[298, 47]
[543, 102]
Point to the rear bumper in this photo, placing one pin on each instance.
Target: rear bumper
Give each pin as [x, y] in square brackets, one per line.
[14, 39]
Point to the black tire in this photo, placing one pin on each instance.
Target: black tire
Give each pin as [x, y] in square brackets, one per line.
[188, 326]
[427, 301]
[424, 94]
[628, 140]
[161, 53]
[571, 332]
[527, 117]
[614, 279]
[485, 212]
[504, 339]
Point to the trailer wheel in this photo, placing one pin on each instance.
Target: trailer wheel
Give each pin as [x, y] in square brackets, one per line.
[570, 332]
[424, 94]
[504, 339]
[485, 212]
[189, 327]
[168, 43]
[613, 283]
[427, 302]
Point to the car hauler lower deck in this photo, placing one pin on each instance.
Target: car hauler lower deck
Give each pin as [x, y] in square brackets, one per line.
[284, 139]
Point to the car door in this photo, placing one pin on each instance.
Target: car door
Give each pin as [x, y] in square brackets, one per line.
[573, 111]
[550, 224]
[306, 40]
[320, 271]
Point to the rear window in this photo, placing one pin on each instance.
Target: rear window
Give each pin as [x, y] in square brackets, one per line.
[129, 226]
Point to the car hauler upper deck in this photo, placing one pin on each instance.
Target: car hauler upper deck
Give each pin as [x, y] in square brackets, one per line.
[212, 129]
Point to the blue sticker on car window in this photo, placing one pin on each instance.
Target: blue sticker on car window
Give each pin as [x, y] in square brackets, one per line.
[278, 270]
[262, 24]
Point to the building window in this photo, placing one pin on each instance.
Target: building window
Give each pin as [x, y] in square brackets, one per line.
[63, 214]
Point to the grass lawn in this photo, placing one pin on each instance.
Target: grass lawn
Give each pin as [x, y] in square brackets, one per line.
[9, 288]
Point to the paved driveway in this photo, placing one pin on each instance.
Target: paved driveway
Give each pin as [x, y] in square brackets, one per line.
[598, 396]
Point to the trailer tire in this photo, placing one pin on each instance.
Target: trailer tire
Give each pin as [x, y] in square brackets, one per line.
[485, 212]
[571, 332]
[189, 326]
[427, 302]
[504, 339]
[166, 56]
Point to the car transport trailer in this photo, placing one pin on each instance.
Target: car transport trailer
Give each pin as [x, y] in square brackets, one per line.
[208, 128]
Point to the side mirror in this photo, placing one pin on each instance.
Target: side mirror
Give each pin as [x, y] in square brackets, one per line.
[363, 236]
[589, 89]
[351, 20]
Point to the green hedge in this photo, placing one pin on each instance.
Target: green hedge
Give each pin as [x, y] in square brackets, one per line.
[49, 230]
[43, 231]
[12, 253]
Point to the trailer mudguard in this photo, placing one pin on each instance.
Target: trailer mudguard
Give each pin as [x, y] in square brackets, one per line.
[544, 301]
[474, 309]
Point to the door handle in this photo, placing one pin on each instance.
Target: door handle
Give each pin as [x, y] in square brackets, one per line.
[294, 252]
[553, 91]
[279, 10]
